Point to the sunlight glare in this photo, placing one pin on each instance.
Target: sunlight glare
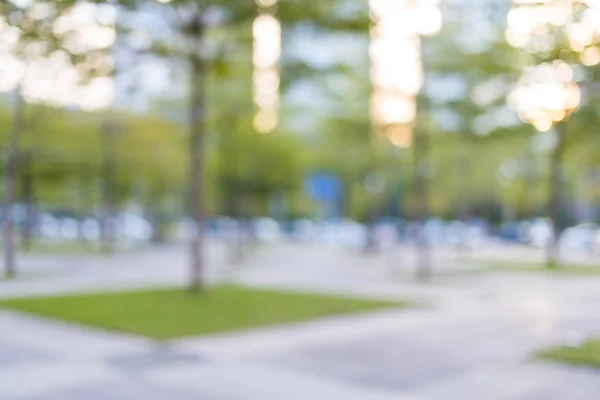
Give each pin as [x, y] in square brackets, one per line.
[396, 66]
[266, 32]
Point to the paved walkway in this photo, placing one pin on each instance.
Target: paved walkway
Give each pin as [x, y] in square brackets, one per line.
[474, 342]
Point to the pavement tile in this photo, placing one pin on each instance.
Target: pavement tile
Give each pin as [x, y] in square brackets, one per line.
[43, 379]
[124, 389]
[254, 382]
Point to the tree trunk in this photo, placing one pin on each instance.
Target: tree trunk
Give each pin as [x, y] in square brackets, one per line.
[554, 199]
[464, 189]
[108, 181]
[372, 245]
[230, 157]
[28, 199]
[158, 219]
[82, 194]
[421, 182]
[531, 186]
[10, 176]
[197, 133]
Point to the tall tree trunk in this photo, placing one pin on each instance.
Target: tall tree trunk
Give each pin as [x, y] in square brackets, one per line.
[158, 218]
[532, 185]
[554, 199]
[237, 212]
[231, 194]
[465, 184]
[83, 192]
[197, 133]
[421, 183]
[108, 182]
[10, 176]
[375, 212]
[28, 199]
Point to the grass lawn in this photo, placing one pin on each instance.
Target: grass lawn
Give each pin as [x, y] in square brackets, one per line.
[73, 247]
[498, 266]
[588, 354]
[170, 313]
[22, 277]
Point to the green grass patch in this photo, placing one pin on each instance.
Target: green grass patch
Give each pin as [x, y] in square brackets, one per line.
[74, 248]
[499, 266]
[24, 276]
[62, 248]
[588, 354]
[171, 313]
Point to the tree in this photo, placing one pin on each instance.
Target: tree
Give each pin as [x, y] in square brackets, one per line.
[196, 38]
[41, 45]
[556, 59]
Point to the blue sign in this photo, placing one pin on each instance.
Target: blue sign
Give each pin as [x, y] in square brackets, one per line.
[323, 187]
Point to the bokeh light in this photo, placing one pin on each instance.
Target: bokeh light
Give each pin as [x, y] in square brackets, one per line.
[547, 93]
[396, 66]
[48, 75]
[266, 32]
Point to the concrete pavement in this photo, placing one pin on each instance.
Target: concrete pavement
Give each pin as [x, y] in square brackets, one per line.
[473, 342]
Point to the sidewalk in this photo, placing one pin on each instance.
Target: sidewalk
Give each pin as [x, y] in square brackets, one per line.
[473, 342]
[414, 354]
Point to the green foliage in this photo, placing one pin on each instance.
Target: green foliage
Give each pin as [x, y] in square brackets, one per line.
[66, 150]
[250, 167]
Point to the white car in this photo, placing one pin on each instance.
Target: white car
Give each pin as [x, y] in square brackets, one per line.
[352, 234]
[267, 230]
[90, 229]
[49, 226]
[539, 233]
[582, 237]
[134, 227]
[475, 236]
[304, 230]
[69, 228]
[435, 231]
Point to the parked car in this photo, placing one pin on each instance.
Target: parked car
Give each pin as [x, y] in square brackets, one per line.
[134, 227]
[582, 237]
[511, 231]
[90, 229]
[304, 230]
[456, 232]
[267, 230]
[352, 234]
[69, 228]
[539, 232]
[49, 226]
